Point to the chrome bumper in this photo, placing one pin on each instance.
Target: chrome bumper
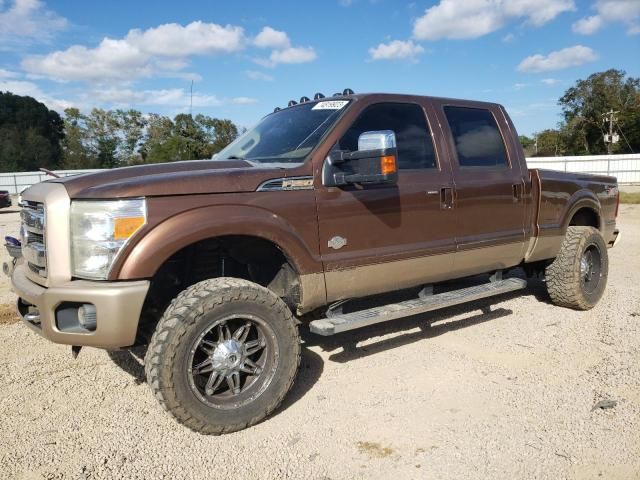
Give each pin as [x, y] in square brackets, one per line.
[118, 306]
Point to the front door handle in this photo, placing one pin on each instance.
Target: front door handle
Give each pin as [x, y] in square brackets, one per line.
[446, 198]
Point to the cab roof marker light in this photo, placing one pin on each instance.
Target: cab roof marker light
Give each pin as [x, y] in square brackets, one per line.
[304, 99]
[318, 96]
[292, 103]
[277, 109]
[347, 91]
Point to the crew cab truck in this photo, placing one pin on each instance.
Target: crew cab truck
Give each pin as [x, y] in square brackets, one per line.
[217, 264]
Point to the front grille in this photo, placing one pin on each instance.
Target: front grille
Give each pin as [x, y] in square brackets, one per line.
[32, 232]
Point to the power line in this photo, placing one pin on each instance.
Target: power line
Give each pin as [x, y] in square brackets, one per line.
[625, 137]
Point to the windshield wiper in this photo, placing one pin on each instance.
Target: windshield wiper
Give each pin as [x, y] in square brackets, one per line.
[234, 157]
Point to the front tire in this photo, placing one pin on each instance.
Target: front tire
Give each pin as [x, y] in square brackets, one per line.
[578, 275]
[223, 355]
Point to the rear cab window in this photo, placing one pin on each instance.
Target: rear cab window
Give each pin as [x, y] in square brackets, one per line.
[476, 136]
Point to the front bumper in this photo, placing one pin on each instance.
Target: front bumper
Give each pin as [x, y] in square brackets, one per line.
[118, 306]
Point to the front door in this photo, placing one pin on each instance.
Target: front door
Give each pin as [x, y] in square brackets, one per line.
[375, 238]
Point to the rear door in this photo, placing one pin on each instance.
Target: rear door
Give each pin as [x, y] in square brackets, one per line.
[375, 238]
[489, 186]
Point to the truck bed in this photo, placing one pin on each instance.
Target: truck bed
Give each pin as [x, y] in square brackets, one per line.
[560, 197]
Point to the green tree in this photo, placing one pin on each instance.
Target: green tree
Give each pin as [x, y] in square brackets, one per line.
[153, 149]
[218, 133]
[76, 154]
[30, 134]
[528, 144]
[131, 125]
[102, 133]
[550, 143]
[585, 104]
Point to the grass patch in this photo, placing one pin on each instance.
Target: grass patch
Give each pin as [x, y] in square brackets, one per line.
[8, 314]
[374, 449]
[630, 197]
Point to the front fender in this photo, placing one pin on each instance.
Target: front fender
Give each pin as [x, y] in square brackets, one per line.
[144, 258]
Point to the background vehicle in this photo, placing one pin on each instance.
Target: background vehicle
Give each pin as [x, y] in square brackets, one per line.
[5, 199]
[215, 262]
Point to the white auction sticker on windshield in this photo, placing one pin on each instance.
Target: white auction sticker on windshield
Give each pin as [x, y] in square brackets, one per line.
[330, 105]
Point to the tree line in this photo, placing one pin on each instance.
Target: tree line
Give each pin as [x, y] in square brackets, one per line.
[585, 122]
[33, 137]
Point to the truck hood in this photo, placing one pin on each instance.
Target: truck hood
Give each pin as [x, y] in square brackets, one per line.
[176, 178]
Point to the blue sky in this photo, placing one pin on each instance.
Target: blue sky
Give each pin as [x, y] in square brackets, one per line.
[245, 57]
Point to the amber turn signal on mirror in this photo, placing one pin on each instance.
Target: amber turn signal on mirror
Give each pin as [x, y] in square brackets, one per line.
[388, 164]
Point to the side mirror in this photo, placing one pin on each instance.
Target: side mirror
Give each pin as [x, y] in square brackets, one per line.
[374, 162]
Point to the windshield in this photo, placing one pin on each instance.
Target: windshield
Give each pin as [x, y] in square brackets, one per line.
[286, 136]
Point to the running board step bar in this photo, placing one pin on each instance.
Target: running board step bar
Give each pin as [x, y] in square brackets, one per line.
[337, 323]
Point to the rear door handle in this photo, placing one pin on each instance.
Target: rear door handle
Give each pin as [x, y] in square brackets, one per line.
[517, 192]
[446, 198]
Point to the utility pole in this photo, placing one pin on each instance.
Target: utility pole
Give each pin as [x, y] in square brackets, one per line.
[191, 99]
[610, 138]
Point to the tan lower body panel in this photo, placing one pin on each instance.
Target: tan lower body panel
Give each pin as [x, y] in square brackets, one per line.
[314, 293]
[390, 276]
[544, 247]
[473, 261]
[383, 277]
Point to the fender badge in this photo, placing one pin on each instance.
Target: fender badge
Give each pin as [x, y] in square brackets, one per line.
[337, 242]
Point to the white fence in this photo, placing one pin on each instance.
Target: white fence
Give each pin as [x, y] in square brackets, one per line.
[625, 167]
[15, 182]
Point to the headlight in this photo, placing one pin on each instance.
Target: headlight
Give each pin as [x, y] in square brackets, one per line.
[99, 230]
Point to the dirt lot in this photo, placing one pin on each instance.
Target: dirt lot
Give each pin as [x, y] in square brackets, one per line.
[464, 393]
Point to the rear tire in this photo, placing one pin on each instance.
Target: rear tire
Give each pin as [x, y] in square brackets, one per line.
[578, 275]
[223, 355]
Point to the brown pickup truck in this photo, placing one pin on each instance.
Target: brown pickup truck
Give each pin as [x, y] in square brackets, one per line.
[305, 221]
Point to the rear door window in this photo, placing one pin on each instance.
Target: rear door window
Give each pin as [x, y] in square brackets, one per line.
[476, 136]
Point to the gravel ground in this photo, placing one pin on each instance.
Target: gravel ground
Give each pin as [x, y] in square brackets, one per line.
[494, 389]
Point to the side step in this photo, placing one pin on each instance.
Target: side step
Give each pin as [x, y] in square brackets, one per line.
[337, 323]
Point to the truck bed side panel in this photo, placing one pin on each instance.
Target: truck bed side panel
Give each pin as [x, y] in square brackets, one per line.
[560, 196]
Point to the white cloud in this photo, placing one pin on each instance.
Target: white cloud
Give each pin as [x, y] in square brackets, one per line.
[550, 81]
[243, 100]
[270, 38]
[520, 86]
[8, 74]
[565, 58]
[170, 97]
[139, 54]
[196, 38]
[28, 19]
[110, 60]
[396, 49]
[455, 19]
[293, 55]
[508, 38]
[587, 25]
[19, 87]
[611, 11]
[164, 50]
[256, 75]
